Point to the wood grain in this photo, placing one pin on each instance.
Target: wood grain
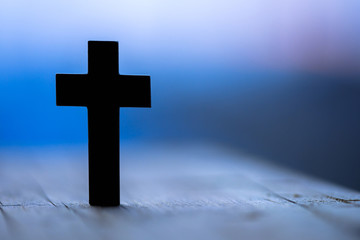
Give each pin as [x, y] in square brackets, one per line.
[170, 191]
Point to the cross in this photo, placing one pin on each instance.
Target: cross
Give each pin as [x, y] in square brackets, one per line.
[103, 91]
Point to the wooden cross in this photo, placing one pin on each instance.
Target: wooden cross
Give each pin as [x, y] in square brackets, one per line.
[103, 91]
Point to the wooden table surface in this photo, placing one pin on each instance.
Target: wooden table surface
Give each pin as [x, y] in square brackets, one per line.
[170, 191]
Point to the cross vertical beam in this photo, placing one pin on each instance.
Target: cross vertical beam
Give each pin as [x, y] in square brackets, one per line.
[103, 59]
[104, 151]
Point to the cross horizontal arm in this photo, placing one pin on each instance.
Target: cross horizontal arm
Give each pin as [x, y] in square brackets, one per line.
[122, 91]
[133, 91]
[71, 90]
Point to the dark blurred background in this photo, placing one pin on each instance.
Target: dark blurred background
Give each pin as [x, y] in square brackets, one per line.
[277, 79]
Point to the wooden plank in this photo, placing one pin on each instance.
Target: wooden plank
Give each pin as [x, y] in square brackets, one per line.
[170, 192]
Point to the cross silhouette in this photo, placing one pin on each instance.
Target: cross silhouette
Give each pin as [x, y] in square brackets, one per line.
[103, 91]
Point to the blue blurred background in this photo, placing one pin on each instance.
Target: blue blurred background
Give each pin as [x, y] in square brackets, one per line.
[275, 78]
